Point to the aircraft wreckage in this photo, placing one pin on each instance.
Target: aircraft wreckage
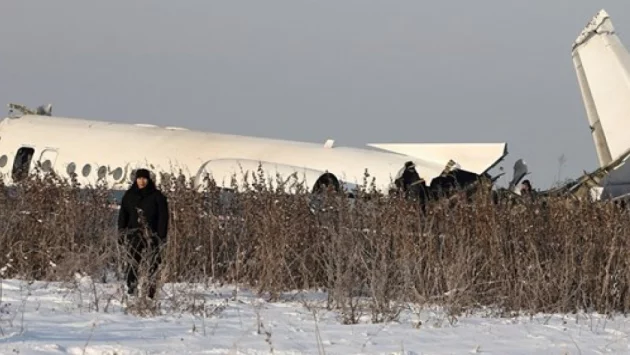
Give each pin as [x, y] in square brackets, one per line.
[90, 150]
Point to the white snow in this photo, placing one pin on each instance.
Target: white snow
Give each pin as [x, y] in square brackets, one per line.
[51, 318]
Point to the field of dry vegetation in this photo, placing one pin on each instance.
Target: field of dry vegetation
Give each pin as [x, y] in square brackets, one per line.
[372, 254]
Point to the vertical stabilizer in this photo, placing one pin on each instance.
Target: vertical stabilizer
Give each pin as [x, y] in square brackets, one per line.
[602, 65]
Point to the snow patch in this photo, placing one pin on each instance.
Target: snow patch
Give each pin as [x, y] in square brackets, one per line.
[55, 318]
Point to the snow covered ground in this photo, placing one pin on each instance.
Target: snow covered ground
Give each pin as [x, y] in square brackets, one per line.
[46, 318]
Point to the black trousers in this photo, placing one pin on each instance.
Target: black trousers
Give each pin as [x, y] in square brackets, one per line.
[139, 248]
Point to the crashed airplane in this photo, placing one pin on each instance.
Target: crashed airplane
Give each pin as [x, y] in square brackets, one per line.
[92, 150]
[602, 65]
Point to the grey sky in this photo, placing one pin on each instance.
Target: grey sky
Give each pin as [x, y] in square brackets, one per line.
[355, 71]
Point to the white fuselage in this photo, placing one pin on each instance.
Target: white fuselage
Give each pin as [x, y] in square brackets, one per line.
[114, 150]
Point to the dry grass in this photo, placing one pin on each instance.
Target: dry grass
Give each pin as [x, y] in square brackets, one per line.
[373, 254]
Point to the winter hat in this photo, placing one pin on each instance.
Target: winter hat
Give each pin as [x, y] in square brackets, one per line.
[143, 173]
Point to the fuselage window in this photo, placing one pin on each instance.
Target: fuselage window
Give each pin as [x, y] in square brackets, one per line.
[86, 170]
[47, 166]
[22, 163]
[102, 172]
[71, 168]
[118, 173]
[3, 161]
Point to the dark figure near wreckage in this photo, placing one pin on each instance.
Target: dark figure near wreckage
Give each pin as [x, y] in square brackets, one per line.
[527, 190]
[142, 225]
[413, 186]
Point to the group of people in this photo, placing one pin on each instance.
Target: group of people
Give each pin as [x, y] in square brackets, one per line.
[414, 186]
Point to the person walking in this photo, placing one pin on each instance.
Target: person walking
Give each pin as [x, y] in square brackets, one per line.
[142, 224]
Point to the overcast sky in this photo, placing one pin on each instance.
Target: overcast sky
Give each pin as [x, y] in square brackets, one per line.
[355, 71]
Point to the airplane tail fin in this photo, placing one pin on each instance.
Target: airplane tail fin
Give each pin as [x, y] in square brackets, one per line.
[602, 65]
[477, 158]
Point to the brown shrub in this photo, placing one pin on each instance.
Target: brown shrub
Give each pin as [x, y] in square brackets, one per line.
[372, 253]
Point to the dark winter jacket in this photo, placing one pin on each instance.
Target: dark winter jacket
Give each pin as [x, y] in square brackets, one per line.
[154, 208]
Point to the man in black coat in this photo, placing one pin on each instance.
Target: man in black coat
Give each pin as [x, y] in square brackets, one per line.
[143, 223]
[413, 186]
